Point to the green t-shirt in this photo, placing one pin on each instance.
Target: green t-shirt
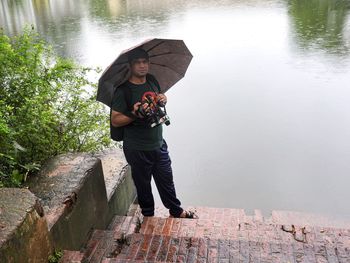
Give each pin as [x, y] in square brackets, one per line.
[138, 135]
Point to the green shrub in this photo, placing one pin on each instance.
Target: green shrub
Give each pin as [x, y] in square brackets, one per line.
[55, 257]
[47, 107]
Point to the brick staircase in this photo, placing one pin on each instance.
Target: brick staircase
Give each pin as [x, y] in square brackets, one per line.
[219, 235]
[105, 243]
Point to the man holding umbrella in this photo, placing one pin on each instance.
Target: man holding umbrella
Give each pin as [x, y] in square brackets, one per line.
[144, 147]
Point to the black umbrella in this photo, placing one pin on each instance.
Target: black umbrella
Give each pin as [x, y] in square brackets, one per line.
[169, 60]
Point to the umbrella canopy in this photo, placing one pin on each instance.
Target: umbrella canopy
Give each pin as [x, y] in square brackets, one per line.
[169, 60]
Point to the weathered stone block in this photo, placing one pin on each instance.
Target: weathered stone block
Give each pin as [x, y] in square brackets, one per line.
[73, 193]
[121, 191]
[123, 195]
[24, 234]
[77, 195]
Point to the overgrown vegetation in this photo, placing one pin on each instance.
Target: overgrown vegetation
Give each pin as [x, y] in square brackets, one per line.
[47, 107]
[55, 257]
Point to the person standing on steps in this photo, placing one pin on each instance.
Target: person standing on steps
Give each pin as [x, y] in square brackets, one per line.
[144, 147]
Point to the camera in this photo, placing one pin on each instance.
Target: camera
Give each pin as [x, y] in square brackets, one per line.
[154, 112]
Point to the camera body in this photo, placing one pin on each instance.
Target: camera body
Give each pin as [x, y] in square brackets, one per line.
[153, 112]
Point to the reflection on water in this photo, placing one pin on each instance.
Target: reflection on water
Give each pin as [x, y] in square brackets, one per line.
[261, 118]
[321, 25]
[315, 24]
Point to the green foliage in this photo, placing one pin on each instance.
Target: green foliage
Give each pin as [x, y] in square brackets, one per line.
[47, 107]
[55, 257]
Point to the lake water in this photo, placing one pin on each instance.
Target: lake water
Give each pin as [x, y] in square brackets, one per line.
[261, 119]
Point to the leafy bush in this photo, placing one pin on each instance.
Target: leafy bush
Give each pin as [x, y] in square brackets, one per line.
[55, 257]
[47, 107]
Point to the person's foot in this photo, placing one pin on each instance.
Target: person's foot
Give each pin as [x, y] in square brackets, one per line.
[187, 214]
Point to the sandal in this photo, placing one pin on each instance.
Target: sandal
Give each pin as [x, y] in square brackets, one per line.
[186, 214]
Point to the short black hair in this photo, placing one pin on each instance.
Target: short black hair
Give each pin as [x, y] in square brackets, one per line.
[136, 54]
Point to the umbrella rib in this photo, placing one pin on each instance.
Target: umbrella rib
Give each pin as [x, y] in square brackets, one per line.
[124, 75]
[164, 66]
[162, 54]
[121, 63]
[121, 69]
[169, 53]
[160, 43]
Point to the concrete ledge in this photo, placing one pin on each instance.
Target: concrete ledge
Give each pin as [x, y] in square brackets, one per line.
[114, 165]
[75, 200]
[24, 235]
[123, 195]
[73, 192]
[121, 192]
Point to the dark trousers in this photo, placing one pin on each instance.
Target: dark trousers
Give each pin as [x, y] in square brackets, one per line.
[143, 165]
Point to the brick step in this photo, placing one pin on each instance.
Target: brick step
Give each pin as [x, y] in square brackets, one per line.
[219, 215]
[156, 248]
[219, 235]
[94, 251]
[213, 240]
[232, 229]
[203, 227]
[276, 217]
[108, 243]
[72, 256]
[116, 260]
[98, 245]
[245, 247]
[124, 226]
[105, 243]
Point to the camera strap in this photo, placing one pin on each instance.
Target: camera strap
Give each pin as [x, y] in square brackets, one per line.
[151, 79]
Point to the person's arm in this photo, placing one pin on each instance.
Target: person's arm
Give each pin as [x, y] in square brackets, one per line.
[119, 119]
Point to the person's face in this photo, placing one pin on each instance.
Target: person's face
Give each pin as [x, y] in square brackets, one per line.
[139, 67]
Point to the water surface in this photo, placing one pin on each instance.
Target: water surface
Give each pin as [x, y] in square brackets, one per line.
[261, 119]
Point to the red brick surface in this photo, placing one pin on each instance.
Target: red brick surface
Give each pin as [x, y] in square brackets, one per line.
[221, 236]
[72, 256]
[228, 235]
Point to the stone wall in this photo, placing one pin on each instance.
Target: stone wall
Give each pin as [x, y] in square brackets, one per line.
[74, 194]
[24, 235]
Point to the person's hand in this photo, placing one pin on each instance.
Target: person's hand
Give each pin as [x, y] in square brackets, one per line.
[162, 99]
[135, 110]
